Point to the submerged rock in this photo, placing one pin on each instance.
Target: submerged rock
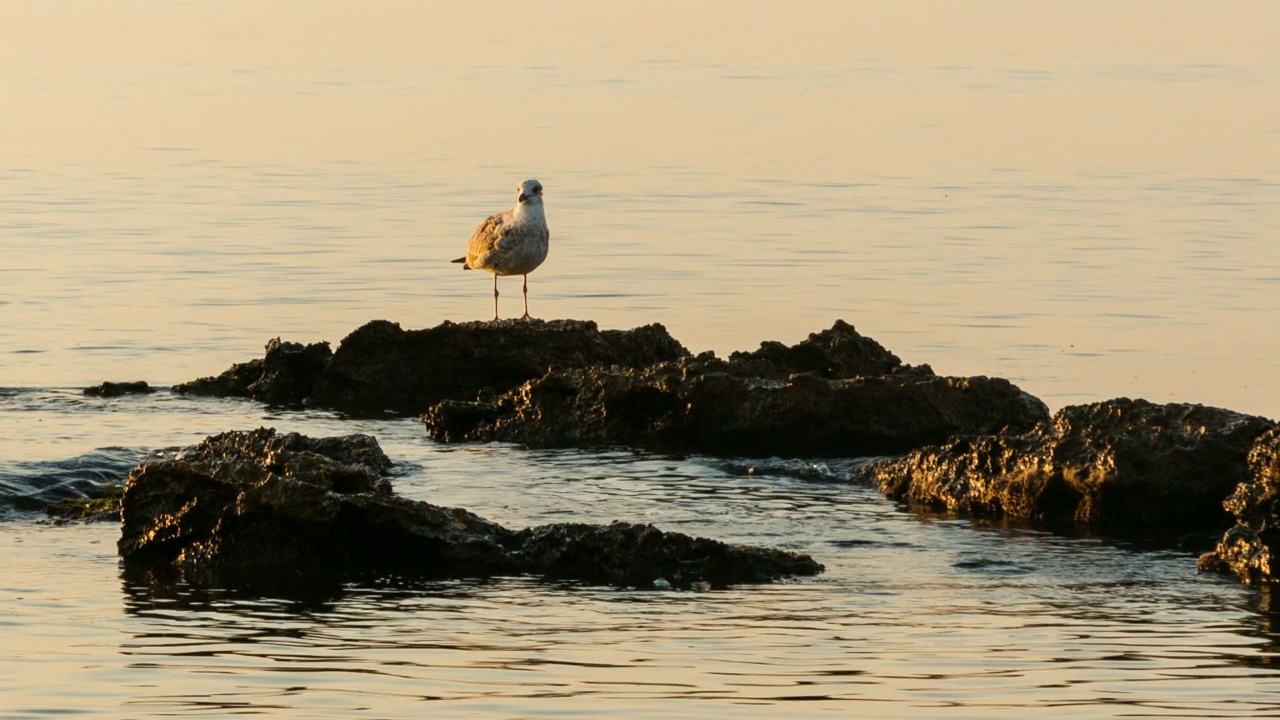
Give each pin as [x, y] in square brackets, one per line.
[1251, 548]
[835, 394]
[82, 487]
[101, 507]
[252, 504]
[116, 389]
[1122, 465]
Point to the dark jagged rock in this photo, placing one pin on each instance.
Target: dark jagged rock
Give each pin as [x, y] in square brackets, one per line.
[381, 367]
[1251, 548]
[840, 352]
[1122, 465]
[451, 420]
[636, 555]
[290, 372]
[707, 405]
[247, 505]
[206, 502]
[286, 375]
[233, 382]
[116, 389]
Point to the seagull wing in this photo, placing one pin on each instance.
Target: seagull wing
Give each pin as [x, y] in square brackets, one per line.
[486, 239]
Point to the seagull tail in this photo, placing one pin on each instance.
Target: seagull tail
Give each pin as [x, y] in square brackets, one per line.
[462, 260]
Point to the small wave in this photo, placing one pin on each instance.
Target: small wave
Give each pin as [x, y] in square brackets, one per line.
[33, 486]
[993, 566]
[834, 470]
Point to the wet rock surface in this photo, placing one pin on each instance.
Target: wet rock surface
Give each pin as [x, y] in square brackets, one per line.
[290, 372]
[636, 555]
[103, 506]
[1251, 548]
[840, 352]
[246, 505]
[285, 375]
[978, 446]
[1122, 465]
[568, 383]
[380, 367]
[116, 389]
[813, 399]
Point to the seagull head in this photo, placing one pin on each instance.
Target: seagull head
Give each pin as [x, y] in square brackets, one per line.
[530, 192]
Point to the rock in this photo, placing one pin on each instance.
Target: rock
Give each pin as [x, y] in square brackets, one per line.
[201, 502]
[708, 405]
[1251, 547]
[116, 389]
[244, 506]
[637, 555]
[836, 353]
[233, 382]
[101, 507]
[1121, 465]
[290, 372]
[452, 420]
[286, 375]
[381, 367]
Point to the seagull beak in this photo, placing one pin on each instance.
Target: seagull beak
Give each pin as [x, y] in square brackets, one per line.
[522, 198]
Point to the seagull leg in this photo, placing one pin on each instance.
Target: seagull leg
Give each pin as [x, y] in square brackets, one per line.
[526, 298]
[495, 297]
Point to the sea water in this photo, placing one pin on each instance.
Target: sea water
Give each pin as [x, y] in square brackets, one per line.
[1082, 198]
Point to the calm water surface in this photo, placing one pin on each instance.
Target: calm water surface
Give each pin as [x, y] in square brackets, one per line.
[1081, 200]
[915, 617]
[1080, 197]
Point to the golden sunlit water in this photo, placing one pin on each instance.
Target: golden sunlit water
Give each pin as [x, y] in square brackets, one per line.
[1081, 197]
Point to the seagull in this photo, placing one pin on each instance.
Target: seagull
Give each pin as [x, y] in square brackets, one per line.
[512, 242]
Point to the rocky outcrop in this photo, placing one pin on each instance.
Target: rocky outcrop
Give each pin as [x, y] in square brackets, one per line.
[1122, 465]
[286, 375]
[637, 555]
[233, 382]
[1251, 549]
[117, 389]
[290, 372]
[746, 406]
[245, 505]
[383, 368]
[840, 352]
[567, 383]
